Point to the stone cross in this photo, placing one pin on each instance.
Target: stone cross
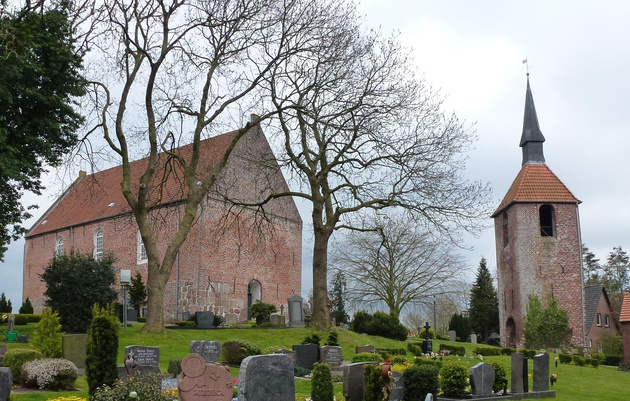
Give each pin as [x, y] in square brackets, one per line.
[426, 331]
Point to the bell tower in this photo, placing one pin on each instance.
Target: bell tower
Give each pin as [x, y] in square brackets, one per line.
[538, 244]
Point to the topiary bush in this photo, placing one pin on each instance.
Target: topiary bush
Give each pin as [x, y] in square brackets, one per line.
[312, 339]
[367, 357]
[420, 381]
[101, 353]
[21, 320]
[379, 324]
[236, 350]
[459, 350]
[397, 359]
[262, 311]
[414, 348]
[593, 362]
[322, 388]
[49, 374]
[487, 351]
[333, 339]
[16, 357]
[147, 387]
[611, 360]
[421, 334]
[500, 375]
[48, 336]
[454, 378]
[565, 358]
[427, 361]
[578, 360]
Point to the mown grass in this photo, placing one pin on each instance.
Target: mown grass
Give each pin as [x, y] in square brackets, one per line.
[575, 383]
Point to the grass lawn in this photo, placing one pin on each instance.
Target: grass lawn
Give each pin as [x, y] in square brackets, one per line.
[575, 383]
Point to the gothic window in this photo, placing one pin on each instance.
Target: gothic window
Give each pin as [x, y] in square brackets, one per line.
[142, 251]
[606, 321]
[98, 245]
[506, 235]
[546, 221]
[59, 247]
[599, 319]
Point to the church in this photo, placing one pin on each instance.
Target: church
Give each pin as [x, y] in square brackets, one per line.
[231, 258]
[538, 244]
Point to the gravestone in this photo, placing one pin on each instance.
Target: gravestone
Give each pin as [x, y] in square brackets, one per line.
[306, 355]
[141, 359]
[205, 320]
[209, 350]
[473, 338]
[266, 377]
[186, 316]
[3, 350]
[398, 391]
[427, 344]
[482, 379]
[201, 381]
[11, 323]
[288, 352]
[364, 348]
[296, 313]
[541, 372]
[132, 315]
[452, 335]
[73, 349]
[278, 319]
[517, 373]
[6, 381]
[354, 381]
[331, 355]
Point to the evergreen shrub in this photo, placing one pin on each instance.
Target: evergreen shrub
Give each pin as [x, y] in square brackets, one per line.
[379, 324]
[27, 307]
[487, 351]
[458, 350]
[49, 374]
[47, 337]
[174, 367]
[262, 311]
[421, 380]
[565, 358]
[593, 362]
[322, 388]
[414, 348]
[578, 360]
[421, 335]
[507, 351]
[500, 375]
[101, 350]
[427, 361]
[333, 339]
[235, 351]
[147, 387]
[611, 360]
[21, 320]
[454, 378]
[367, 357]
[374, 383]
[397, 359]
[15, 358]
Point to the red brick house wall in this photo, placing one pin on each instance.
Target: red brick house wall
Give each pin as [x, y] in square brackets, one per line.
[227, 248]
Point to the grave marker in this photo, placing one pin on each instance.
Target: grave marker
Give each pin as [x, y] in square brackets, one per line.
[296, 313]
[205, 320]
[354, 381]
[452, 335]
[141, 359]
[473, 338]
[6, 382]
[481, 379]
[201, 381]
[331, 355]
[518, 372]
[266, 377]
[541, 372]
[364, 348]
[209, 350]
[306, 355]
[398, 391]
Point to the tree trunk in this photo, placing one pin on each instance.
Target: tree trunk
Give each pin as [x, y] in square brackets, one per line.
[156, 283]
[320, 319]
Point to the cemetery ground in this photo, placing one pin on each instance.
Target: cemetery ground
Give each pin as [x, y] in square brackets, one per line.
[574, 382]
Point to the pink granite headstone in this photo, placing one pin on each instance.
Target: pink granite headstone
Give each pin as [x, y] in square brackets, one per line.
[201, 381]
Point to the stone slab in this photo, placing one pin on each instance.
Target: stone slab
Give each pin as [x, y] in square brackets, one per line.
[331, 355]
[205, 320]
[482, 379]
[209, 350]
[398, 391]
[541, 372]
[306, 355]
[288, 352]
[296, 312]
[364, 348]
[517, 360]
[139, 358]
[6, 381]
[73, 349]
[266, 377]
[452, 335]
[473, 339]
[354, 381]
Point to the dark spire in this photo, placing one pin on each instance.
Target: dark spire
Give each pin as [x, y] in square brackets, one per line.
[532, 139]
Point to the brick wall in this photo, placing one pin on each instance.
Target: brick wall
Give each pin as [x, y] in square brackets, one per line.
[530, 264]
[596, 332]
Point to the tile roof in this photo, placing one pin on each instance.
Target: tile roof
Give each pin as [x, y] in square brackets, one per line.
[624, 316]
[536, 183]
[98, 196]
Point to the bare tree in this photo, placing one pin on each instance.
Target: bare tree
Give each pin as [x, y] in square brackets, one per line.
[361, 132]
[397, 264]
[167, 73]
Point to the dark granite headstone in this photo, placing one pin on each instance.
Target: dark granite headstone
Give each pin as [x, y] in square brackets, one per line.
[73, 349]
[541, 372]
[306, 355]
[201, 381]
[517, 372]
[398, 391]
[296, 313]
[288, 352]
[364, 348]
[266, 377]
[132, 315]
[209, 350]
[354, 381]
[481, 379]
[331, 355]
[205, 320]
[6, 381]
[186, 316]
[139, 359]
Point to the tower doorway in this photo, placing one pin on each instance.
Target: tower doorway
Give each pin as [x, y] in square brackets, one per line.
[254, 293]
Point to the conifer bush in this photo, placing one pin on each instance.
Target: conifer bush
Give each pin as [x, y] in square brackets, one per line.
[420, 381]
[322, 386]
[15, 358]
[236, 350]
[26, 308]
[47, 337]
[375, 386]
[102, 350]
[454, 378]
[500, 375]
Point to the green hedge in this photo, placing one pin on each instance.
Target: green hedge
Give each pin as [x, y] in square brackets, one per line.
[454, 378]
[16, 357]
[613, 360]
[565, 358]
[414, 348]
[420, 381]
[459, 350]
[487, 351]
[367, 357]
[236, 350]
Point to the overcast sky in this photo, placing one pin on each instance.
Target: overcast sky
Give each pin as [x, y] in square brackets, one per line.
[578, 55]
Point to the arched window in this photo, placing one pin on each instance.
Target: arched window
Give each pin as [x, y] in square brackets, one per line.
[98, 245]
[546, 221]
[59, 247]
[142, 251]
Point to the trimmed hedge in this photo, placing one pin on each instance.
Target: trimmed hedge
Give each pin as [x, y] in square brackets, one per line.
[322, 388]
[367, 357]
[420, 381]
[16, 357]
[529, 353]
[507, 351]
[427, 361]
[500, 376]
[487, 351]
[611, 360]
[454, 378]
[565, 358]
[459, 350]
[414, 348]
[236, 350]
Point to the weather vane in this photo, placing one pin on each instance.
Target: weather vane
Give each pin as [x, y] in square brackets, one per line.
[526, 66]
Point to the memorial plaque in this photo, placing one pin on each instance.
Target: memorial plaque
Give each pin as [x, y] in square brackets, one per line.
[452, 335]
[296, 314]
[141, 359]
[6, 383]
[482, 379]
[331, 355]
[354, 381]
[517, 372]
[306, 355]
[541, 372]
[364, 348]
[398, 391]
[201, 381]
[209, 350]
[205, 320]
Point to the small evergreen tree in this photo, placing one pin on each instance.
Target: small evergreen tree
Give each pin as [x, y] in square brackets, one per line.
[27, 307]
[5, 306]
[546, 327]
[101, 350]
[484, 304]
[338, 299]
[461, 325]
[138, 292]
[322, 388]
[48, 336]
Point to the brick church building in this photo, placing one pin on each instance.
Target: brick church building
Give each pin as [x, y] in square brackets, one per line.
[538, 245]
[231, 257]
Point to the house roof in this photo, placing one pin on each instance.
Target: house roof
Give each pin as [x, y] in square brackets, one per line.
[592, 294]
[624, 316]
[98, 196]
[536, 183]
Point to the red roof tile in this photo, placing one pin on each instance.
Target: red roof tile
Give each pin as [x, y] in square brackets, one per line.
[536, 183]
[624, 316]
[98, 196]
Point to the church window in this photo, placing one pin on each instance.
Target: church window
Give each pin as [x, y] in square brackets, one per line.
[599, 319]
[546, 221]
[606, 321]
[506, 235]
[59, 247]
[98, 245]
[142, 251]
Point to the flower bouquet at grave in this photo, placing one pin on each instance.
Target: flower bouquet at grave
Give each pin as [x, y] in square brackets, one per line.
[553, 378]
